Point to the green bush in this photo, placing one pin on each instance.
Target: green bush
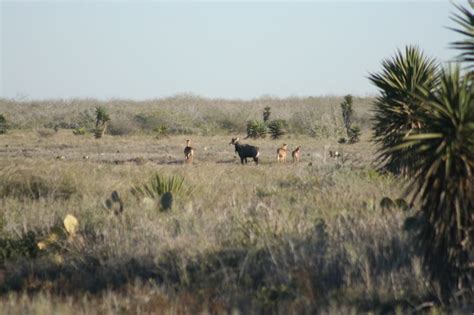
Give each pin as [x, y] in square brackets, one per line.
[80, 131]
[354, 134]
[256, 129]
[102, 118]
[25, 246]
[277, 128]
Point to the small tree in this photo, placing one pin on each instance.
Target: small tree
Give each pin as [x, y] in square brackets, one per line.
[353, 133]
[346, 107]
[101, 120]
[266, 114]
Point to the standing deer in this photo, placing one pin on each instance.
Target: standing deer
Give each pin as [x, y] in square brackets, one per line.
[296, 154]
[188, 152]
[245, 151]
[281, 153]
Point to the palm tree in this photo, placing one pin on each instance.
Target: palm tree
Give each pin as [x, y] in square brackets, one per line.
[397, 111]
[444, 180]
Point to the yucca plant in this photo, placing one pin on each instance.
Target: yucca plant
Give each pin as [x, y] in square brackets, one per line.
[397, 113]
[444, 181]
[277, 128]
[160, 188]
[256, 129]
[266, 113]
[101, 120]
[347, 112]
[354, 134]
[465, 21]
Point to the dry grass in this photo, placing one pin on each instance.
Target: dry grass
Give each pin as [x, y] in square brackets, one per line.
[292, 238]
[187, 114]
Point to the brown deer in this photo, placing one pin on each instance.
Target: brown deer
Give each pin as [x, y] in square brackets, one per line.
[281, 153]
[188, 152]
[296, 154]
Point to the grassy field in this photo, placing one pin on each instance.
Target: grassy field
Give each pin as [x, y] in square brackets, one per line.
[273, 238]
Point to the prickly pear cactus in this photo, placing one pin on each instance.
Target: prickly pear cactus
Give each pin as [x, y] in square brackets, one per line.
[114, 203]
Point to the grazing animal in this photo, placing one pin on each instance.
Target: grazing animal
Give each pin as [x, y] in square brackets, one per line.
[334, 154]
[296, 154]
[245, 151]
[281, 153]
[188, 152]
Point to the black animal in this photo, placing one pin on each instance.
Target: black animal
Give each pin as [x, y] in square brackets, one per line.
[245, 151]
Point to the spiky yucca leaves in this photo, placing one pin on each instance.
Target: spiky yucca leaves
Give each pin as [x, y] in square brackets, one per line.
[161, 189]
[256, 129]
[277, 128]
[465, 21]
[397, 111]
[444, 181]
[101, 120]
[101, 116]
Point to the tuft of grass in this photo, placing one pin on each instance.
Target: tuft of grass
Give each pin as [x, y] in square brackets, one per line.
[25, 184]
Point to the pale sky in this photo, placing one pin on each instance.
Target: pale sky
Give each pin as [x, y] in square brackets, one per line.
[141, 50]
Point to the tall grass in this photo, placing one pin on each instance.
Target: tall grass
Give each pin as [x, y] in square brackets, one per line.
[252, 239]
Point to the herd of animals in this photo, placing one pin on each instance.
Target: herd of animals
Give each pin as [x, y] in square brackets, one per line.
[246, 151]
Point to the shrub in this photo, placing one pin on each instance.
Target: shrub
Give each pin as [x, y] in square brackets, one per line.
[256, 129]
[354, 134]
[16, 248]
[266, 114]
[80, 131]
[22, 184]
[347, 112]
[3, 124]
[101, 120]
[121, 127]
[161, 131]
[277, 128]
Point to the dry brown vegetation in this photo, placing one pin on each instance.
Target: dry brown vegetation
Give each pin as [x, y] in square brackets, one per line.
[295, 238]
